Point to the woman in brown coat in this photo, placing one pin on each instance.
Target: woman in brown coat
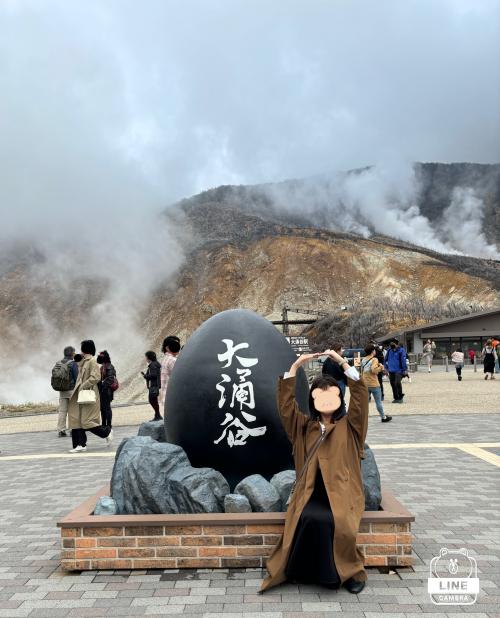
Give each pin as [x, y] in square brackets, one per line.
[86, 416]
[319, 541]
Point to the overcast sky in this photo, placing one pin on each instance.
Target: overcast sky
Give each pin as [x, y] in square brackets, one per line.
[123, 105]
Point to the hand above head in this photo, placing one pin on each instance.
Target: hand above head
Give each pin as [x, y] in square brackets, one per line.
[335, 356]
[302, 360]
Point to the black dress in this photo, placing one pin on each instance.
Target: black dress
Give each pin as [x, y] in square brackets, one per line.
[311, 557]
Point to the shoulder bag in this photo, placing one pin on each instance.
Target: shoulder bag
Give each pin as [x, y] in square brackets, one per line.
[306, 463]
[86, 396]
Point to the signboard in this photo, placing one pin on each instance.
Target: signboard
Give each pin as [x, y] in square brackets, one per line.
[300, 345]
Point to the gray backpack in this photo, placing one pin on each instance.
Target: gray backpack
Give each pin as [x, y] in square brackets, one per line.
[61, 376]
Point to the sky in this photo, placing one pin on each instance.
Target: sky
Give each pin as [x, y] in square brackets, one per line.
[110, 110]
[116, 106]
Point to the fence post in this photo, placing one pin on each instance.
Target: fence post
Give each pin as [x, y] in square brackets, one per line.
[475, 363]
[446, 363]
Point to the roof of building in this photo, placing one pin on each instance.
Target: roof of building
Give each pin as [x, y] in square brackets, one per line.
[462, 318]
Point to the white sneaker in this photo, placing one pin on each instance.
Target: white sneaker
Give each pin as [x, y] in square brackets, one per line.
[78, 449]
[429, 370]
[109, 439]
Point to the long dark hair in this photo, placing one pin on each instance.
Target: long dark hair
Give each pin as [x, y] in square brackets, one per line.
[325, 381]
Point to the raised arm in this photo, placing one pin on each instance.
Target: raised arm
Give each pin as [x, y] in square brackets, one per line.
[357, 415]
[292, 418]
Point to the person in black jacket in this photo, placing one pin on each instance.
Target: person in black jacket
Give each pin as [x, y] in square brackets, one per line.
[379, 355]
[105, 385]
[153, 382]
[333, 369]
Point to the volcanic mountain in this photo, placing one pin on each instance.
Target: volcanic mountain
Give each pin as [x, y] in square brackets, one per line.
[245, 247]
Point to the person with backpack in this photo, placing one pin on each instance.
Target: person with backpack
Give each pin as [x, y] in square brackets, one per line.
[153, 382]
[64, 376]
[489, 360]
[107, 385]
[84, 411]
[496, 344]
[370, 369]
[395, 363]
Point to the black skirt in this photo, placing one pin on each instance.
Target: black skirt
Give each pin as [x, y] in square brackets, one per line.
[311, 557]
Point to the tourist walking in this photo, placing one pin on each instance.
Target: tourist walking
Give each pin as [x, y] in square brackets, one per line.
[395, 364]
[153, 382]
[370, 369]
[496, 344]
[458, 358]
[331, 368]
[84, 413]
[107, 386]
[64, 376]
[428, 353]
[489, 360]
[472, 356]
[170, 348]
[318, 545]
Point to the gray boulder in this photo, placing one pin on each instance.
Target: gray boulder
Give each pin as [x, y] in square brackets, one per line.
[105, 506]
[154, 429]
[156, 477]
[371, 481]
[283, 483]
[236, 503]
[263, 497]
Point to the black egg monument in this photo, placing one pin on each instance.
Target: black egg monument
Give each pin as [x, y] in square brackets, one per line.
[221, 398]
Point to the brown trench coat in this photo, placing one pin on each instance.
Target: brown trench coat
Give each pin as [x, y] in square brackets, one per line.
[88, 415]
[339, 458]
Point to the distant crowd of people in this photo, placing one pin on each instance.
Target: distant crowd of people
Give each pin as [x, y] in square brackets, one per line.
[86, 385]
[489, 355]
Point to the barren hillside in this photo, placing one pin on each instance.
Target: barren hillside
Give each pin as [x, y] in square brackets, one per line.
[240, 252]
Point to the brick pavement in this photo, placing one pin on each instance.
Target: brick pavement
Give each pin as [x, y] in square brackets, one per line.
[454, 495]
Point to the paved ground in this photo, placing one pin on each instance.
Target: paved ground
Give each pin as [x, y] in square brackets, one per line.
[453, 491]
[435, 393]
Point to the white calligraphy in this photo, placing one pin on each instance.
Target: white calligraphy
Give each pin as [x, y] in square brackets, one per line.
[235, 431]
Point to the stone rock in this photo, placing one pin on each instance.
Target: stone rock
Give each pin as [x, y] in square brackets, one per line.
[283, 483]
[157, 477]
[371, 481]
[221, 397]
[105, 506]
[263, 497]
[154, 429]
[237, 503]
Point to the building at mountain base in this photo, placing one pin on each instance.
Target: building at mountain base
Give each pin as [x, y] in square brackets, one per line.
[469, 332]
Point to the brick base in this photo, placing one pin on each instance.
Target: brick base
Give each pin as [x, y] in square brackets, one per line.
[210, 540]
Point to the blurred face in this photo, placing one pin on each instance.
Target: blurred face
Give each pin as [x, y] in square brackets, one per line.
[326, 400]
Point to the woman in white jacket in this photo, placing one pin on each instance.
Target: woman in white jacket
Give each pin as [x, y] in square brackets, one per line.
[458, 358]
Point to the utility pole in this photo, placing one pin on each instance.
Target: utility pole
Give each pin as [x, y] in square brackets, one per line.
[284, 317]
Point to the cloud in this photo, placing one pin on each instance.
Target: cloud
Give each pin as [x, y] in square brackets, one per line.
[112, 109]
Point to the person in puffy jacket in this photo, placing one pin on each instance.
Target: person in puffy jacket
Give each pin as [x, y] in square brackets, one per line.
[458, 358]
[108, 376]
[395, 364]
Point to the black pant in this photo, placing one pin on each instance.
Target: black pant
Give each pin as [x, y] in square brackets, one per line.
[79, 436]
[106, 412]
[395, 379]
[458, 369]
[381, 384]
[153, 400]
